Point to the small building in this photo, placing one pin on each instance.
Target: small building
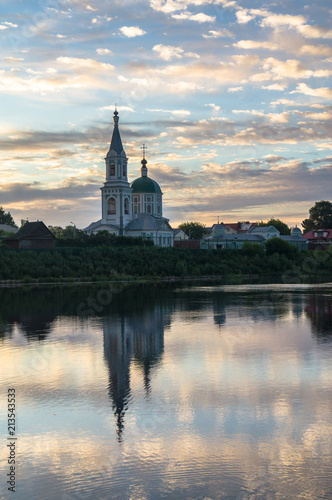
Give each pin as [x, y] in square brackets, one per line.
[319, 239]
[220, 238]
[296, 238]
[32, 235]
[151, 228]
[265, 232]
[180, 235]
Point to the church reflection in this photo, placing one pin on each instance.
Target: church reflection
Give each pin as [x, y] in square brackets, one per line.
[134, 338]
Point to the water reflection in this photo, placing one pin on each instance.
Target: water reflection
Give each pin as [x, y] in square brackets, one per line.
[319, 309]
[186, 393]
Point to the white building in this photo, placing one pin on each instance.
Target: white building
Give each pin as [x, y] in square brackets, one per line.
[130, 210]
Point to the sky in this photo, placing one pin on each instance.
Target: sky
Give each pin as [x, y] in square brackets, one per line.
[231, 98]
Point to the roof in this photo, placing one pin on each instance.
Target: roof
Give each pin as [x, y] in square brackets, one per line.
[235, 237]
[101, 226]
[239, 227]
[293, 237]
[147, 222]
[116, 143]
[33, 231]
[145, 185]
[263, 229]
[8, 229]
[311, 234]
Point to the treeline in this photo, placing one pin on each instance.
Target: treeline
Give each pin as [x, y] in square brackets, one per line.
[115, 262]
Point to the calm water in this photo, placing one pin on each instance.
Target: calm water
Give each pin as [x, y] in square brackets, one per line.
[210, 392]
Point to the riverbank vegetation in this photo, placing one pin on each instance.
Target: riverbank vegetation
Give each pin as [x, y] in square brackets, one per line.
[120, 262]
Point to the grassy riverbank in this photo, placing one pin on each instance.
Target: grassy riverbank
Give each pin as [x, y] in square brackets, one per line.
[134, 263]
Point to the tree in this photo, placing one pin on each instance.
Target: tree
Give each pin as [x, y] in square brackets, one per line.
[6, 218]
[277, 245]
[278, 224]
[320, 216]
[56, 230]
[251, 249]
[194, 230]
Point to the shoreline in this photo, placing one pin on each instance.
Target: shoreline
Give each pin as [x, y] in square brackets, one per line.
[235, 279]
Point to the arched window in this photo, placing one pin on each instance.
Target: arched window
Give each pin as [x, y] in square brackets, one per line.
[126, 206]
[112, 169]
[148, 209]
[111, 206]
[124, 170]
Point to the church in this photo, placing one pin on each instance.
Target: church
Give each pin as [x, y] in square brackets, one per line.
[134, 209]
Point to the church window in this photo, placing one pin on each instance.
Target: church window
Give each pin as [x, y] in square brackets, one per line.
[158, 209]
[112, 169]
[148, 209]
[124, 170]
[135, 209]
[126, 206]
[148, 198]
[112, 206]
[135, 199]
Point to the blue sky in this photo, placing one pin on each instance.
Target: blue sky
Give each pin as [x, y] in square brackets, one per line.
[232, 99]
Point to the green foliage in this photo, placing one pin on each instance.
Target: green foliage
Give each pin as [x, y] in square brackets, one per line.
[276, 245]
[6, 218]
[278, 224]
[320, 216]
[195, 230]
[251, 249]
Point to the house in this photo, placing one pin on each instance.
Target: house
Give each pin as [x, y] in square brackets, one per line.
[32, 235]
[220, 239]
[151, 228]
[319, 239]
[180, 235]
[258, 234]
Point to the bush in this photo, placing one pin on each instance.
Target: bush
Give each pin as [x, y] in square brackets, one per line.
[251, 249]
[282, 247]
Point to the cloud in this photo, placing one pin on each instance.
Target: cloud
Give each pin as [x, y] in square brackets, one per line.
[176, 112]
[243, 16]
[224, 33]
[317, 50]
[251, 44]
[168, 52]
[91, 64]
[5, 25]
[302, 88]
[213, 106]
[103, 52]
[314, 31]
[132, 31]
[277, 20]
[274, 86]
[234, 89]
[199, 18]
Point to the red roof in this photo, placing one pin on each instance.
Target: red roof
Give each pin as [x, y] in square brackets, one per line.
[311, 234]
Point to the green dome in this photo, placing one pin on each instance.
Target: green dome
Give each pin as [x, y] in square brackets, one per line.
[145, 185]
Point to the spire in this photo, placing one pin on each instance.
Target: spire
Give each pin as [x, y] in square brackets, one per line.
[144, 169]
[116, 143]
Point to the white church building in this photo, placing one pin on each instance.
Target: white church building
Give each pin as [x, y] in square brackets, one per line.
[134, 209]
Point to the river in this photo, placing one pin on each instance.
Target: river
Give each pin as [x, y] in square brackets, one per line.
[152, 392]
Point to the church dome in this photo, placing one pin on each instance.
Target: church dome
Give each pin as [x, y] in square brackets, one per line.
[145, 185]
[296, 231]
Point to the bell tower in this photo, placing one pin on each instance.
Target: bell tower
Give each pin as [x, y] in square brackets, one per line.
[116, 192]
